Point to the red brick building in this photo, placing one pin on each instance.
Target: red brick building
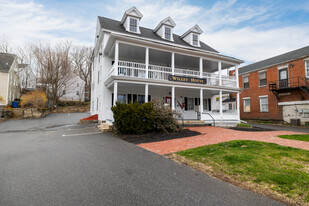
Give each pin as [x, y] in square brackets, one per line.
[276, 88]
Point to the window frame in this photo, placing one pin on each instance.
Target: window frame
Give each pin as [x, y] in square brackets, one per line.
[192, 103]
[131, 25]
[244, 100]
[260, 72]
[306, 67]
[243, 82]
[263, 97]
[193, 40]
[167, 33]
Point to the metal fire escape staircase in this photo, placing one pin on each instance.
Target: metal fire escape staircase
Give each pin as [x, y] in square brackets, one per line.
[299, 84]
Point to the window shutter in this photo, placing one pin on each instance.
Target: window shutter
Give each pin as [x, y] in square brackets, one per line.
[149, 98]
[209, 103]
[186, 103]
[195, 102]
[112, 99]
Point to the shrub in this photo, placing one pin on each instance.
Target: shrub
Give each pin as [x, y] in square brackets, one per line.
[71, 103]
[164, 120]
[133, 118]
[2, 99]
[35, 99]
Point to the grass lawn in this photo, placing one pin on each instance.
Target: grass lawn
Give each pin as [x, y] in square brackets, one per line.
[301, 137]
[269, 169]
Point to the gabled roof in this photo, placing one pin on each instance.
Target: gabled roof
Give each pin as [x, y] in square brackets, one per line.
[6, 61]
[194, 29]
[280, 59]
[133, 11]
[167, 21]
[114, 25]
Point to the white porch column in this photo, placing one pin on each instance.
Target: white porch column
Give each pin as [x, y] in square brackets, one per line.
[173, 98]
[116, 57]
[237, 97]
[146, 92]
[147, 60]
[221, 113]
[173, 63]
[236, 75]
[238, 106]
[201, 101]
[115, 92]
[219, 70]
[201, 67]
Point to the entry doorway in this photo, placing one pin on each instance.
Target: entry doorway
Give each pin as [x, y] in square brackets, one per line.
[283, 78]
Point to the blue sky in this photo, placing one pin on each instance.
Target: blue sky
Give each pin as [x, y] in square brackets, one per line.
[249, 30]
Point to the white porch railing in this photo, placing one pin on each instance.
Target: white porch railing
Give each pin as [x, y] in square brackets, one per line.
[134, 69]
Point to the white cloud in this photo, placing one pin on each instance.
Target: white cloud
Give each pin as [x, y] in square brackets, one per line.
[254, 45]
[23, 22]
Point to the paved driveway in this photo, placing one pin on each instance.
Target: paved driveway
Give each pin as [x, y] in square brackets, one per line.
[78, 166]
[215, 135]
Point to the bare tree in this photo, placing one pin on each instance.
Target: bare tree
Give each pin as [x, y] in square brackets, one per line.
[5, 44]
[26, 66]
[55, 69]
[81, 59]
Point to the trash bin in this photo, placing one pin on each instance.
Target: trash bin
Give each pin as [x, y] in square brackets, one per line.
[15, 104]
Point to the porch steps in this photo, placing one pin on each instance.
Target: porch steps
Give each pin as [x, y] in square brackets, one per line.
[193, 123]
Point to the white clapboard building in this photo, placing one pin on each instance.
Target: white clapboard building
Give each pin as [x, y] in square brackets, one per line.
[133, 63]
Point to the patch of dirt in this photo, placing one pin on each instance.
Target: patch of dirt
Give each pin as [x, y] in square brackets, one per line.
[262, 189]
[156, 137]
[71, 109]
[251, 129]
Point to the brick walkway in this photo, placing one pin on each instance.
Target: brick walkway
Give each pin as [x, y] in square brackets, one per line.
[214, 135]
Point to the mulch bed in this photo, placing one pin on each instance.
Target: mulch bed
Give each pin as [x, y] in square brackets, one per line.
[156, 137]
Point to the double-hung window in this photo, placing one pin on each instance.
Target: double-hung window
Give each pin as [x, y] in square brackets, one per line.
[168, 33]
[307, 68]
[262, 77]
[246, 104]
[264, 104]
[245, 80]
[133, 25]
[191, 104]
[195, 39]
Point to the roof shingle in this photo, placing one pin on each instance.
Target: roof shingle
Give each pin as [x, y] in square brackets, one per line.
[6, 61]
[286, 57]
[115, 25]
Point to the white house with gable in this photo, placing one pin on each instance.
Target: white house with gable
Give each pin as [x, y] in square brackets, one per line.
[73, 90]
[133, 63]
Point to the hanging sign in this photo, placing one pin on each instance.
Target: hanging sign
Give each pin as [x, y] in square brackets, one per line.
[187, 79]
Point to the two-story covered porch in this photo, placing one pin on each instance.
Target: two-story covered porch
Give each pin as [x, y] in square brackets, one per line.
[192, 83]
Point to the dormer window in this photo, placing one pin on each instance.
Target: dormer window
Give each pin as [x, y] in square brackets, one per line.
[133, 25]
[168, 33]
[195, 39]
[165, 29]
[130, 20]
[192, 36]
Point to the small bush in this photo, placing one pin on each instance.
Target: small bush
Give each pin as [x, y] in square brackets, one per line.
[134, 118]
[164, 120]
[2, 100]
[244, 125]
[36, 99]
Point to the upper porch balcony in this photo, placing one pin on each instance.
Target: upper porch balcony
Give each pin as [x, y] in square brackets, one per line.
[154, 64]
[138, 70]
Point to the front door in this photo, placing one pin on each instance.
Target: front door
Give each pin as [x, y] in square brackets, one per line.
[283, 78]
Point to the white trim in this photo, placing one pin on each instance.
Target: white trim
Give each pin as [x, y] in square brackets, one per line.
[283, 66]
[263, 96]
[293, 103]
[264, 70]
[246, 98]
[243, 99]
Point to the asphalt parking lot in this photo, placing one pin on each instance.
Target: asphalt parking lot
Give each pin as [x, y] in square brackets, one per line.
[61, 163]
